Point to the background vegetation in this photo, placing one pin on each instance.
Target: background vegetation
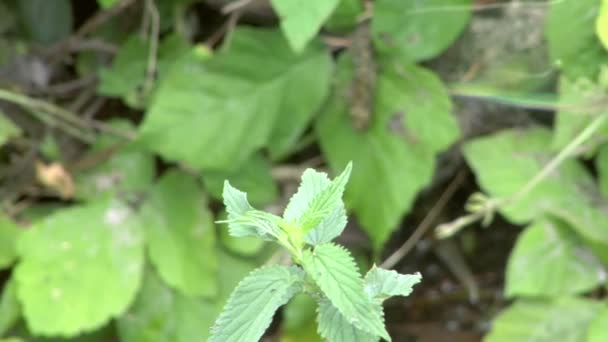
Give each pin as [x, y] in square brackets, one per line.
[477, 131]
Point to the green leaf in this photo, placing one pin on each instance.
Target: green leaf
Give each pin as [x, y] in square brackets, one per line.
[395, 158]
[127, 76]
[10, 309]
[550, 260]
[570, 34]
[381, 284]
[334, 271]
[580, 96]
[162, 314]
[79, 268]
[330, 228]
[597, 329]
[564, 320]
[54, 25]
[418, 30]
[253, 177]
[106, 3]
[244, 220]
[334, 327]
[316, 199]
[302, 19]
[181, 235]
[505, 162]
[345, 16]
[8, 129]
[601, 163]
[240, 100]
[252, 305]
[9, 232]
[246, 246]
[124, 168]
[298, 320]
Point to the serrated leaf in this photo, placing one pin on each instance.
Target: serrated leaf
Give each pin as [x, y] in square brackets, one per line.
[252, 305]
[334, 327]
[181, 235]
[597, 331]
[550, 260]
[334, 271]
[253, 177]
[127, 75]
[226, 108]
[570, 34]
[302, 19]
[7, 129]
[564, 320]
[505, 162]
[418, 30]
[244, 220]
[330, 228]
[9, 232]
[569, 123]
[381, 284]
[79, 268]
[395, 157]
[10, 309]
[161, 314]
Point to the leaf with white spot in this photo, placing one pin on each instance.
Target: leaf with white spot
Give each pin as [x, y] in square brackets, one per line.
[79, 268]
[252, 305]
[334, 271]
[381, 284]
[180, 234]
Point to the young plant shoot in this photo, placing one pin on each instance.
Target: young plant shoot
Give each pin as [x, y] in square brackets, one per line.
[349, 306]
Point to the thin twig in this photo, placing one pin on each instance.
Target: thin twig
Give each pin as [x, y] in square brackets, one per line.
[236, 6]
[448, 229]
[426, 223]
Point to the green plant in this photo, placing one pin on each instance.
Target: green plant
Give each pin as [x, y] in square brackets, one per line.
[349, 307]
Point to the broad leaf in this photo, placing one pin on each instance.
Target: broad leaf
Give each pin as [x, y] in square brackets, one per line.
[570, 34]
[162, 314]
[381, 284]
[564, 320]
[418, 30]
[181, 235]
[298, 320]
[252, 305]
[334, 271]
[9, 233]
[10, 309]
[79, 268]
[7, 129]
[345, 16]
[302, 19]
[505, 162]
[597, 329]
[334, 327]
[550, 260]
[253, 177]
[395, 158]
[244, 220]
[240, 100]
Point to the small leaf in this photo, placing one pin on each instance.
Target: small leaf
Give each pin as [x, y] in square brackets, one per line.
[334, 271]
[9, 233]
[550, 260]
[302, 19]
[597, 329]
[346, 16]
[298, 320]
[181, 235]
[160, 314]
[252, 305]
[564, 320]
[106, 3]
[418, 30]
[334, 327]
[79, 268]
[10, 309]
[8, 129]
[330, 228]
[381, 284]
